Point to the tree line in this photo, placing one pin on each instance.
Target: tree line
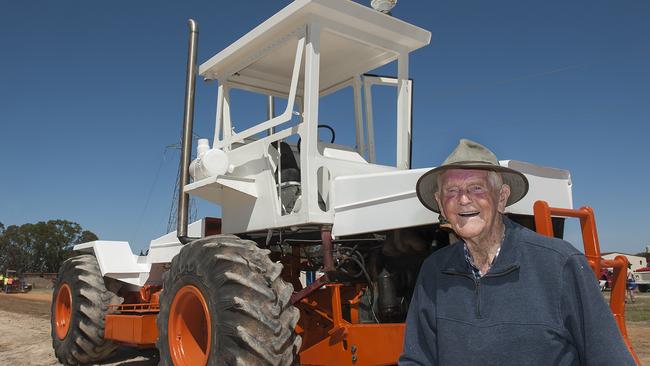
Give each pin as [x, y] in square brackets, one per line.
[40, 247]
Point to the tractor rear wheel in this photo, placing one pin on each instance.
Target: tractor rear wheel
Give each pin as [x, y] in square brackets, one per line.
[224, 303]
[79, 305]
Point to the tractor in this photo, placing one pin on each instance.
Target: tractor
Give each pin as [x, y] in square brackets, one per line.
[315, 256]
[15, 283]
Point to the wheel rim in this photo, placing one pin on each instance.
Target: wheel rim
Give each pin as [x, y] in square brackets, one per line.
[63, 311]
[189, 328]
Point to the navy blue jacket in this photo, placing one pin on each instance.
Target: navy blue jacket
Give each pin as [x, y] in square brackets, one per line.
[539, 304]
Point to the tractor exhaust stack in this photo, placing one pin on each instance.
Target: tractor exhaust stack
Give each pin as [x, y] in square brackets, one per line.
[186, 143]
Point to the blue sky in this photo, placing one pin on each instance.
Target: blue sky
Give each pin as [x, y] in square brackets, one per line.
[91, 93]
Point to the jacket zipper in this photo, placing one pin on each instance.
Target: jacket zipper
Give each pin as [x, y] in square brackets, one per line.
[477, 282]
[476, 287]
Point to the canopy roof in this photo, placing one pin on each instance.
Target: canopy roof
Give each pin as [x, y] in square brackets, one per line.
[354, 39]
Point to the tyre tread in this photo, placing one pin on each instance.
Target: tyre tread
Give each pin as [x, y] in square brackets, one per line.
[256, 322]
[84, 342]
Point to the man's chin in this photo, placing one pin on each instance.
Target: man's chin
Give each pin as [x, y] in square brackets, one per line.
[469, 231]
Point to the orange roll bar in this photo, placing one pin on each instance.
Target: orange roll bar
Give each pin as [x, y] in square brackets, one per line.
[544, 226]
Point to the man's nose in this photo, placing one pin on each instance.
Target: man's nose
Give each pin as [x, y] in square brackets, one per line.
[464, 198]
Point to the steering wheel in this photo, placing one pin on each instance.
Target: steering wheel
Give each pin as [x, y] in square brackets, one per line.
[331, 130]
[322, 126]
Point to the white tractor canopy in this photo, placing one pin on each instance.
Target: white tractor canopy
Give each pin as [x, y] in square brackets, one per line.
[279, 172]
[353, 40]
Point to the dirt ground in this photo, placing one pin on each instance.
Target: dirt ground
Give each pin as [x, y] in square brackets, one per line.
[25, 333]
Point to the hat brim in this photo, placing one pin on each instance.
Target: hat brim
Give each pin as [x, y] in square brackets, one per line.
[427, 185]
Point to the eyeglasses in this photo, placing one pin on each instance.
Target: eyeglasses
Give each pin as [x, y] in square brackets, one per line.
[474, 190]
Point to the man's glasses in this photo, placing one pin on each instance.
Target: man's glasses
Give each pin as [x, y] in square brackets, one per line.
[473, 190]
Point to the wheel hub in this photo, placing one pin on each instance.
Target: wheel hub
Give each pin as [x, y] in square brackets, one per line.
[189, 333]
[63, 311]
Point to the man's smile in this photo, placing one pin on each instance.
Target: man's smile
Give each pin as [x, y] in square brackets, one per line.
[468, 214]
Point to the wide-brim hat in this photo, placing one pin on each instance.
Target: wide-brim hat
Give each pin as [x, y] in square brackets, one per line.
[470, 155]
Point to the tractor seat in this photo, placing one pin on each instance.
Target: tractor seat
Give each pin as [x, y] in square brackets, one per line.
[290, 186]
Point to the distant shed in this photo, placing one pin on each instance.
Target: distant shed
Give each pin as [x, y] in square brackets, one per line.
[635, 260]
[40, 280]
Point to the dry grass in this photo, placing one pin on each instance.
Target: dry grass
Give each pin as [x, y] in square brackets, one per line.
[637, 319]
[639, 310]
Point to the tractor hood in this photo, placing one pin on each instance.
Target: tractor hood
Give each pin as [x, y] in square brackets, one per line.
[386, 201]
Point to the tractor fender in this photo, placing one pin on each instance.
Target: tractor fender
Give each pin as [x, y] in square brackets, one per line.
[116, 260]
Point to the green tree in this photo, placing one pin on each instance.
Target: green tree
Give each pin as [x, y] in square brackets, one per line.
[40, 247]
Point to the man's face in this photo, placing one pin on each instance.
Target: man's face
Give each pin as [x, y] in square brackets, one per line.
[470, 204]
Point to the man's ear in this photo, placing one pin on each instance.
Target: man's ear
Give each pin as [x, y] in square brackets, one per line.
[504, 194]
[436, 195]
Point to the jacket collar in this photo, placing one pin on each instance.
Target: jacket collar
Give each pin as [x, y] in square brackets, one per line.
[505, 261]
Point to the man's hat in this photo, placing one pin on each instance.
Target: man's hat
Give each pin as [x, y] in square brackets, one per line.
[470, 155]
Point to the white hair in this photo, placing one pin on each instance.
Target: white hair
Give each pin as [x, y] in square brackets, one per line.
[495, 179]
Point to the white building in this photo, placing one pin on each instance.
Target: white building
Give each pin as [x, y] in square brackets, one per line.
[635, 260]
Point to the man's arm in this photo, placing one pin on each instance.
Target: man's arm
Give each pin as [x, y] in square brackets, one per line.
[420, 335]
[588, 318]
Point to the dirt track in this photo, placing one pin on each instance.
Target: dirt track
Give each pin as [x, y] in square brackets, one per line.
[25, 334]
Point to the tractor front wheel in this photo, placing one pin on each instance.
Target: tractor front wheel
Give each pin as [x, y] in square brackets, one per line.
[79, 305]
[224, 303]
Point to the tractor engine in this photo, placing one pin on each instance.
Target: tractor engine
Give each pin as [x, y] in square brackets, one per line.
[383, 266]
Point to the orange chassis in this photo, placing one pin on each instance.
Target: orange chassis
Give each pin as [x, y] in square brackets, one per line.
[331, 331]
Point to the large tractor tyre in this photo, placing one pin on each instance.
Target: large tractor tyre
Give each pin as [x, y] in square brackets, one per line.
[224, 303]
[79, 305]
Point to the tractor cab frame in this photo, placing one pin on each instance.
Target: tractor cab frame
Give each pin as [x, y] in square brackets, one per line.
[307, 51]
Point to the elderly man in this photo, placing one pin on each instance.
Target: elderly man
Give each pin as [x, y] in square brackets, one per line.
[502, 295]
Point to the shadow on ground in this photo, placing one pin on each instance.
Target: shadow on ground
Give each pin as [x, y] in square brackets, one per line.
[133, 357]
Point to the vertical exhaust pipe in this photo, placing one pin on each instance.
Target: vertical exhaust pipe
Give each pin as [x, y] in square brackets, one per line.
[270, 113]
[186, 142]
